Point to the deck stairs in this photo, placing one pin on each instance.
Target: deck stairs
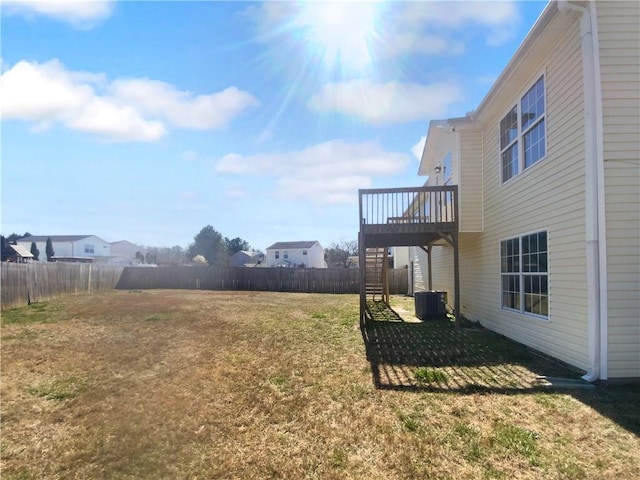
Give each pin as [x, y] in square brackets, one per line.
[376, 279]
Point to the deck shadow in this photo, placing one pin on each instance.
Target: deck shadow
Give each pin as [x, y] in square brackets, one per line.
[435, 356]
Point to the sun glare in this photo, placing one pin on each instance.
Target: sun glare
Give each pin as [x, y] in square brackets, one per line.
[340, 32]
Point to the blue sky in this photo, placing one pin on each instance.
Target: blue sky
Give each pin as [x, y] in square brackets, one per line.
[146, 121]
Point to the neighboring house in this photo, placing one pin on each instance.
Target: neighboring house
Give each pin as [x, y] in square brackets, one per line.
[17, 254]
[245, 258]
[82, 248]
[543, 182]
[296, 254]
[353, 261]
[126, 250]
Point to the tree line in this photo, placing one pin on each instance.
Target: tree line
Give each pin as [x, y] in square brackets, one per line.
[208, 247]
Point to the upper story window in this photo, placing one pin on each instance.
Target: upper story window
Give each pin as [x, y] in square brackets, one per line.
[89, 249]
[286, 254]
[277, 254]
[304, 252]
[523, 132]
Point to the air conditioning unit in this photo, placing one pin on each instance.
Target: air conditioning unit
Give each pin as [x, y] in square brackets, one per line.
[430, 303]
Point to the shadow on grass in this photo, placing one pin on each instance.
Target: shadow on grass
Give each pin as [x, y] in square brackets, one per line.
[434, 356]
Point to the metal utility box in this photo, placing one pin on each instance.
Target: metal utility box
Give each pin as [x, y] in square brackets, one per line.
[430, 303]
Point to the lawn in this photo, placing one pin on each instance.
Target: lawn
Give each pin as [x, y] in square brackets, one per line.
[252, 385]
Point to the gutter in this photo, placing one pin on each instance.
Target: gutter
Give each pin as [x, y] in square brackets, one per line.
[594, 192]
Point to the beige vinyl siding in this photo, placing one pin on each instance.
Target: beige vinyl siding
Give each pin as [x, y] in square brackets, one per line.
[470, 174]
[420, 271]
[619, 37]
[547, 196]
[448, 143]
[442, 264]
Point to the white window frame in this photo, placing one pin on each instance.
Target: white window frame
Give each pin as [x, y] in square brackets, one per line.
[277, 254]
[519, 140]
[89, 248]
[521, 274]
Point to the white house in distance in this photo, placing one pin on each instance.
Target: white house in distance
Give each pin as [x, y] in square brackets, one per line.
[126, 249]
[70, 247]
[296, 254]
[245, 258]
[548, 181]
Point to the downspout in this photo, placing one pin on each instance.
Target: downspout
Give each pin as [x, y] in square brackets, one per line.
[594, 193]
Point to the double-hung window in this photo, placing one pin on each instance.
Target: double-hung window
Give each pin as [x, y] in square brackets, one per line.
[523, 132]
[277, 254]
[525, 274]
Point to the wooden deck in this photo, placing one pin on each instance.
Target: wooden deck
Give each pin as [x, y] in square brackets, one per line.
[407, 216]
[395, 217]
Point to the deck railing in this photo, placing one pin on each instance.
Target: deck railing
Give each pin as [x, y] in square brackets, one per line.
[413, 205]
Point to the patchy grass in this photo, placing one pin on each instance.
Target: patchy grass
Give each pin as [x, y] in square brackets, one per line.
[427, 375]
[248, 385]
[517, 440]
[60, 388]
[45, 312]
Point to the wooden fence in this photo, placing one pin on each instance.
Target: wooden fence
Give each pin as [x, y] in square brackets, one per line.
[24, 283]
[306, 280]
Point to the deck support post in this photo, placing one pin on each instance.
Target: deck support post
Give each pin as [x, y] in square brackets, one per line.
[430, 277]
[362, 260]
[456, 273]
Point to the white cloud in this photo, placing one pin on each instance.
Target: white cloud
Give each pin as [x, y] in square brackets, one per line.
[41, 92]
[101, 116]
[80, 14]
[416, 41]
[442, 19]
[418, 148]
[423, 27]
[329, 172]
[386, 103]
[48, 93]
[182, 108]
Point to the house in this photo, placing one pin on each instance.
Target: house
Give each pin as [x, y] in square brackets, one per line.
[530, 217]
[81, 248]
[245, 258]
[17, 254]
[126, 250]
[296, 254]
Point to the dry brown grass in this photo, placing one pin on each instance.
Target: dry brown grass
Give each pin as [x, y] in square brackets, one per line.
[201, 385]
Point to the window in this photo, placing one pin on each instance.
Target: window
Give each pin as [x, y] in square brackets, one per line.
[304, 252]
[277, 254]
[524, 272]
[286, 254]
[88, 249]
[446, 169]
[523, 133]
